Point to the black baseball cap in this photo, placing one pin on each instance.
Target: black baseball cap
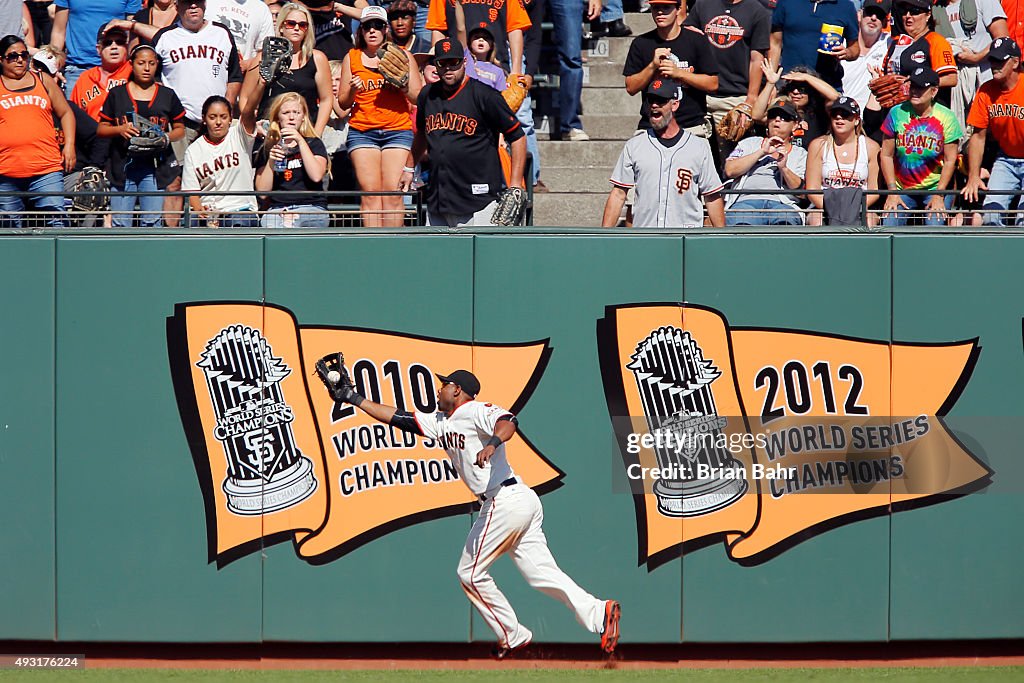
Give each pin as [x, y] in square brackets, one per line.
[783, 105]
[919, 4]
[924, 78]
[1002, 49]
[847, 104]
[448, 48]
[464, 379]
[882, 6]
[104, 31]
[663, 87]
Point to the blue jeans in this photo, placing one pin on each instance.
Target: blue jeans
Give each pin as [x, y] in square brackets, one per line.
[762, 212]
[238, 219]
[1007, 174]
[916, 202]
[38, 188]
[567, 16]
[378, 139]
[611, 11]
[138, 178]
[71, 74]
[525, 116]
[304, 216]
[421, 25]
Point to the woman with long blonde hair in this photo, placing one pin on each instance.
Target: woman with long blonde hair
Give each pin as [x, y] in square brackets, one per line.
[310, 74]
[380, 125]
[293, 159]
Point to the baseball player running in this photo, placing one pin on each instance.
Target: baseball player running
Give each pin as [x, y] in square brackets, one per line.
[458, 121]
[670, 170]
[473, 434]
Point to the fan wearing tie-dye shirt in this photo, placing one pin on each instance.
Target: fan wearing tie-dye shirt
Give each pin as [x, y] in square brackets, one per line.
[919, 152]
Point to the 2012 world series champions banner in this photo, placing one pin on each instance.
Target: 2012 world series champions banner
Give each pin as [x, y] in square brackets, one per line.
[762, 438]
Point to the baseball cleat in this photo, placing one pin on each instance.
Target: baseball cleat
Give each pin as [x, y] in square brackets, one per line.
[610, 634]
[501, 652]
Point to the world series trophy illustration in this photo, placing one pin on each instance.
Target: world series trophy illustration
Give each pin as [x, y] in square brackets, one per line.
[675, 381]
[266, 471]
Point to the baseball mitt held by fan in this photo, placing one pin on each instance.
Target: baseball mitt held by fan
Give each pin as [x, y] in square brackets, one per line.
[735, 123]
[150, 139]
[276, 58]
[511, 205]
[890, 90]
[332, 372]
[89, 188]
[394, 65]
[515, 92]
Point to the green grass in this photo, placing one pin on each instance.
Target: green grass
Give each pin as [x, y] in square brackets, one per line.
[888, 674]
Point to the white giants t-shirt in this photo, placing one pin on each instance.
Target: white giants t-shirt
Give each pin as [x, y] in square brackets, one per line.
[197, 64]
[222, 167]
[463, 435]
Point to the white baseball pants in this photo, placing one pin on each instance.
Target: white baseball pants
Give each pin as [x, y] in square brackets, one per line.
[511, 523]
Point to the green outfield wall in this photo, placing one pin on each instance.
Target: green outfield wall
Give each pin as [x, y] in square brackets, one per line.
[118, 491]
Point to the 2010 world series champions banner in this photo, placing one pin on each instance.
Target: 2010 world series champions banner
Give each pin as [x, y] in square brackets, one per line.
[278, 459]
[763, 438]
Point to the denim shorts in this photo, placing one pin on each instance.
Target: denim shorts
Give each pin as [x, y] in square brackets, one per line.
[380, 139]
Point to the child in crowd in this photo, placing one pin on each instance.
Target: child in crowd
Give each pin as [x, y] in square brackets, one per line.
[293, 158]
[149, 170]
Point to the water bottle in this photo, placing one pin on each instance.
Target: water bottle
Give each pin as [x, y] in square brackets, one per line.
[281, 165]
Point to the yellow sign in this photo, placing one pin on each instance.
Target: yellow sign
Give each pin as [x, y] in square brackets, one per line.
[763, 438]
[278, 459]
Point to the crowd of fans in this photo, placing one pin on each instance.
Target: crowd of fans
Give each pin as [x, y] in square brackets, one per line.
[825, 103]
[797, 79]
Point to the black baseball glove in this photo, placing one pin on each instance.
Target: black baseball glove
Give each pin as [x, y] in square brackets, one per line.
[91, 183]
[339, 385]
[276, 58]
[511, 205]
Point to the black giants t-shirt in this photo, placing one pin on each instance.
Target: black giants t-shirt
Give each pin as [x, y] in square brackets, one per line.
[733, 30]
[164, 109]
[691, 51]
[462, 141]
[294, 179]
[333, 37]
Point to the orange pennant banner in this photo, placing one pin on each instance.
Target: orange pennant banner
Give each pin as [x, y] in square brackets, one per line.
[278, 459]
[763, 438]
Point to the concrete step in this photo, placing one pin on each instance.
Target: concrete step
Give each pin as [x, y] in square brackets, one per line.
[595, 153]
[582, 179]
[640, 23]
[598, 126]
[610, 101]
[576, 209]
[603, 74]
[611, 49]
[611, 127]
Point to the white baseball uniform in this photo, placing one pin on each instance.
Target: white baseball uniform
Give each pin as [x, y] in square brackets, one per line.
[510, 522]
[669, 182]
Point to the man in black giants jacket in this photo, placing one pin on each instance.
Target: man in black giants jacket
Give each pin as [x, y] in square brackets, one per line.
[459, 121]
